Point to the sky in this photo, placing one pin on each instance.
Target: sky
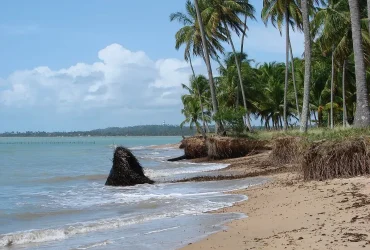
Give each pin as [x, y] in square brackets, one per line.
[80, 65]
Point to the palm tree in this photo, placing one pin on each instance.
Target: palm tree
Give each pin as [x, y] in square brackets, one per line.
[280, 11]
[307, 65]
[218, 128]
[332, 26]
[197, 91]
[189, 35]
[362, 116]
[222, 15]
[191, 111]
[228, 81]
[270, 106]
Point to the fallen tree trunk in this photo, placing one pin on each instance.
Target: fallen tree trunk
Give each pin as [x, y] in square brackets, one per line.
[183, 157]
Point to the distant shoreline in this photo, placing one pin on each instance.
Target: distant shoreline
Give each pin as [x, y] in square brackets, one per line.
[143, 130]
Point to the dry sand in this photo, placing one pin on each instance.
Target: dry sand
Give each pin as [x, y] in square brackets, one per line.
[288, 213]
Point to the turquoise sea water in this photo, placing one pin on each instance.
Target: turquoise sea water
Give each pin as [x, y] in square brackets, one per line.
[53, 196]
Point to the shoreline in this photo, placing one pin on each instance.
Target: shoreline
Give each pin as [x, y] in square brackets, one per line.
[287, 213]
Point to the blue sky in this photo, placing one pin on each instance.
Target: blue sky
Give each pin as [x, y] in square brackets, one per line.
[76, 65]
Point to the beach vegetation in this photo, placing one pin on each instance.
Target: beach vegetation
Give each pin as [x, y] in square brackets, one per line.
[326, 87]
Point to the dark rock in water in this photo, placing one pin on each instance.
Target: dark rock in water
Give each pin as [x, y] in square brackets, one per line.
[126, 170]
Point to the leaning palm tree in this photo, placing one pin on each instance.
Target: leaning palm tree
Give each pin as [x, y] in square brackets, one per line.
[362, 116]
[189, 35]
[223, 16]
[307, 65]
[218, 128]
[279, 12]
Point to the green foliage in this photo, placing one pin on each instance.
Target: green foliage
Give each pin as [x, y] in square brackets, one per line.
[232, 118]
[263, 84]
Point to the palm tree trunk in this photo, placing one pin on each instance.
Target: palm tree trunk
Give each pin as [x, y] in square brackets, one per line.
[200, 101]
[242, 41]
[307, 65]
[242, 49]
[344, 94]
[368, 12]
[362, 115]
[191, 66]
[218, 127]
[332, 90]
[286, 65]
[293, 77]
[281, 123]
[247, 118]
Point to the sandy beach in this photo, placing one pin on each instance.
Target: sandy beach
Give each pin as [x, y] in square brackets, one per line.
[288, 213]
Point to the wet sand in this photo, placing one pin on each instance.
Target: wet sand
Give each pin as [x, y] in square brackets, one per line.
[175, 146]
[288, 213]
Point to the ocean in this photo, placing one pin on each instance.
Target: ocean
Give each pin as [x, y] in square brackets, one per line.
[53, 196]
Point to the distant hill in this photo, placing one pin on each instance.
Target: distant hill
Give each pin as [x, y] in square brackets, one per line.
[144, 130]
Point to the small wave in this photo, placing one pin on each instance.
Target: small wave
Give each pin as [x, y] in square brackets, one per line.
[161, 230]
[97, 244]
[46, 235]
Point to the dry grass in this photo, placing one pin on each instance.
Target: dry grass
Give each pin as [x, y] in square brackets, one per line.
[226, 147]
[286, 150]
[334, 159]
[194, 147]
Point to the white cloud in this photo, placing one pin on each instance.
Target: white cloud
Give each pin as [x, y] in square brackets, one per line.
[121, 78]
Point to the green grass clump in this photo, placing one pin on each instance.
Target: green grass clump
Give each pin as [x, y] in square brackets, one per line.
[315, 134]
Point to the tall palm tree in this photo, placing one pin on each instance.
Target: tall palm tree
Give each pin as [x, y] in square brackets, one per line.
[218, 128]
[362, 116]
[223, 15]
[307, 65]
[279, 12]
[331, 26]
[189, 35]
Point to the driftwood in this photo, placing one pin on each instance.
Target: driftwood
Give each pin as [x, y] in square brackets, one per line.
[126, 170]
[183, 157]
